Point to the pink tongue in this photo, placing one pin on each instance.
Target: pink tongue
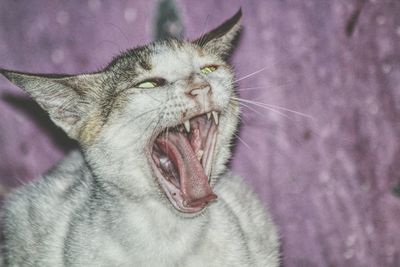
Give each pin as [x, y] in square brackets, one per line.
[193, 181]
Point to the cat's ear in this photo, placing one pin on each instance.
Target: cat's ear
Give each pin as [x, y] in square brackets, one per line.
[220, 40]
[67, 98]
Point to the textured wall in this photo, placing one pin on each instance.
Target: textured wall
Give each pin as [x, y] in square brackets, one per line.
[328, 180]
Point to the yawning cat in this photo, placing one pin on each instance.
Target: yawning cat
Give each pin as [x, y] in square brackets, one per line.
[149, 186]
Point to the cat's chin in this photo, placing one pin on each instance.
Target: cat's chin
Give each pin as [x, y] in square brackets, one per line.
[181, 158]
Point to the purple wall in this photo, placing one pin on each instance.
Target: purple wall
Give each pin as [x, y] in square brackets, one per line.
[328, 180]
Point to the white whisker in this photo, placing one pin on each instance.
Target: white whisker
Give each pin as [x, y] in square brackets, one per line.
[243, 142]
[252, 109]
[261, 106]
[249, 75]
[292, 111]
[250, 88]
[270, 106]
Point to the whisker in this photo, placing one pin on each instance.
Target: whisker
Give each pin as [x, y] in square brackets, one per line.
[202, 38]
[166, 137]
[291, 110]
[152, 118]
[120, 31]
[157, 123]
[261, 106]
[252, 109]
[20, 181]
[144, 113]
[230, 107]
[250, 88]
[250, 75]
[105, 43]
[270, 106]
[152, 97]
[280, 85]
[241, 140]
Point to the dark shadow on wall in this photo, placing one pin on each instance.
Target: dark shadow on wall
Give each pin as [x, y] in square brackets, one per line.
[34, 112]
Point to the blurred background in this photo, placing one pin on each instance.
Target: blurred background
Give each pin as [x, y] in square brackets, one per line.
[321, 144]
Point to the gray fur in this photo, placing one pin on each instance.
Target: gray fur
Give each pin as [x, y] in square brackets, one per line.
[102, 206]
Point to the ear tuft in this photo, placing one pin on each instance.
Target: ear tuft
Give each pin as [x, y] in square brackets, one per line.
[220, 40]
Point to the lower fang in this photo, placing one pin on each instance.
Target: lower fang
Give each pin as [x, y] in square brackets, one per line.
[199, 154]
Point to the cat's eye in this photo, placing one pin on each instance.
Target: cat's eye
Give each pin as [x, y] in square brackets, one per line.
[208, 69]
[151, 83]
[147, 85]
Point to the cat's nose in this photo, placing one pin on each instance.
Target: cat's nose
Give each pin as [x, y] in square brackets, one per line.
[200, 91]
[198, 87]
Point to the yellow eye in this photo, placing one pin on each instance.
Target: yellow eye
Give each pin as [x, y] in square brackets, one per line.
[151, 83]
[147, 85]
[208, 69]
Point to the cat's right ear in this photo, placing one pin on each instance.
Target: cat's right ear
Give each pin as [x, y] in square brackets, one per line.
[67, 98]
[220, 40]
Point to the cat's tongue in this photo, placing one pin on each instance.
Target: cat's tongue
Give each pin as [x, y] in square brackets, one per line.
[196, 191]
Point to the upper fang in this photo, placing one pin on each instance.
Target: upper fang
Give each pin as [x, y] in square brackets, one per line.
[187, 126]
[208, 115]
[215, 117]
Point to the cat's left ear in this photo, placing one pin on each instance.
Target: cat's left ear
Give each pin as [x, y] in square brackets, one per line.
[220, 40]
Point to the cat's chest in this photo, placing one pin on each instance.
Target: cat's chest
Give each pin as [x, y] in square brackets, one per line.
[158, 239]
[149, 231]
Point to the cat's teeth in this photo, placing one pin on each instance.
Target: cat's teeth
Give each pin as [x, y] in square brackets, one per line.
[199, 154]
[208, 115]
[215, 117]
[187, 126]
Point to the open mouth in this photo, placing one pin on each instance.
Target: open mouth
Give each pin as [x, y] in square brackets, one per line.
[182, 160]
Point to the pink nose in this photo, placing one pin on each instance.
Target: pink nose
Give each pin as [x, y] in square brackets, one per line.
[197, 87]
[200, 91]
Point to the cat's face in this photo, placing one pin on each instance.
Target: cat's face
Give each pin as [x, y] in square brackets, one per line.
[174, 122]
[158, 121]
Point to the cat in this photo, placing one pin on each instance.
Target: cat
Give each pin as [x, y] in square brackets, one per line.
[149, 186]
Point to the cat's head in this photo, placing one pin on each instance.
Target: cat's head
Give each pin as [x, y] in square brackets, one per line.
[157, 121]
